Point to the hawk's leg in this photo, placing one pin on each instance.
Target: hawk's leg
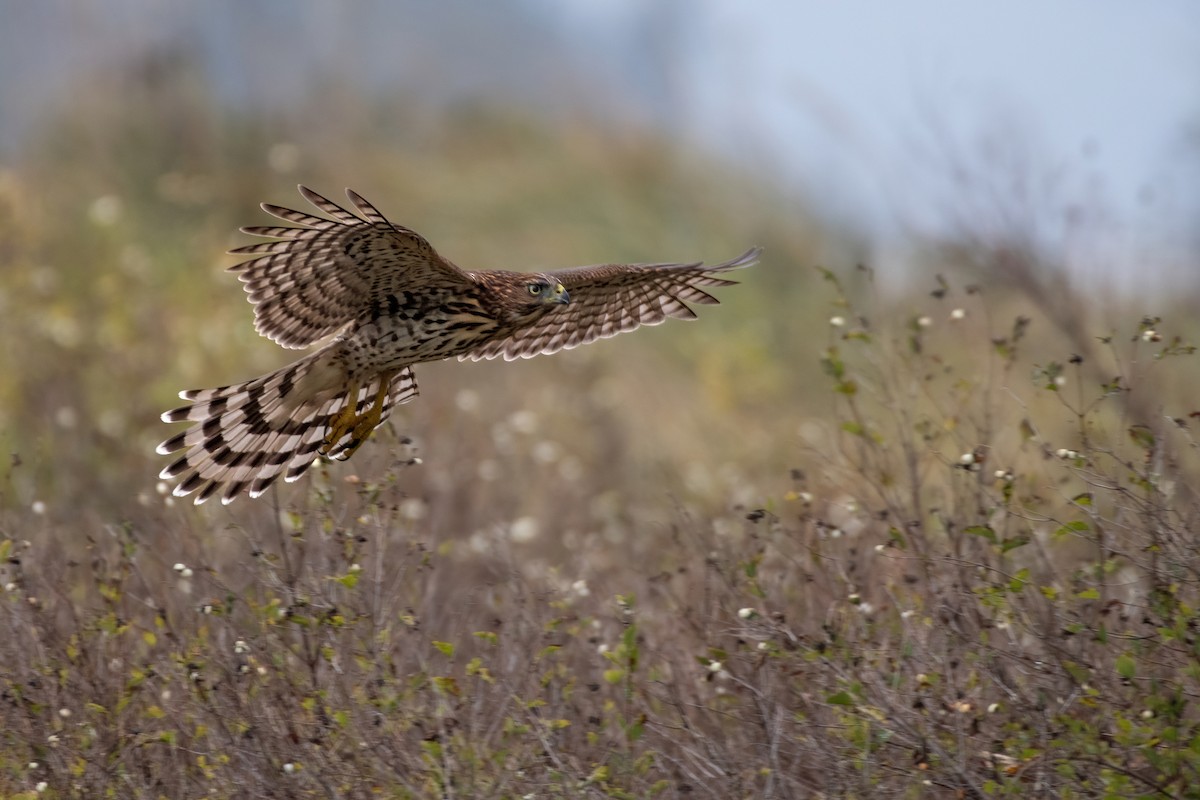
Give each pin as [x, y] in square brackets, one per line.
[361, 425]
[346, 419]
[370, 420]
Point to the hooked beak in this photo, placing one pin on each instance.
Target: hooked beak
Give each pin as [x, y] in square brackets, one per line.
[563, 297]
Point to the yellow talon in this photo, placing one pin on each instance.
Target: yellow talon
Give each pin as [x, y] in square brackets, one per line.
[349, 420]
[340, 425]
[366, 423]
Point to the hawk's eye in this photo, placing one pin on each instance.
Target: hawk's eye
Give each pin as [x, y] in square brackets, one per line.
[534, 288]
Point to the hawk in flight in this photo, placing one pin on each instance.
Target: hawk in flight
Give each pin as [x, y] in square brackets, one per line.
[389, 301]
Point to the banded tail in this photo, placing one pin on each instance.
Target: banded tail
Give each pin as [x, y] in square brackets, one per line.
[245, 436]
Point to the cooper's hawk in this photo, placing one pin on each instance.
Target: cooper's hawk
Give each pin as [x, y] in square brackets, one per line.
[392, 302]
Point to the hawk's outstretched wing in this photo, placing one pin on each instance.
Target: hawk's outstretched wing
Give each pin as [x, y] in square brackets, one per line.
[321, 276]
[609, 299]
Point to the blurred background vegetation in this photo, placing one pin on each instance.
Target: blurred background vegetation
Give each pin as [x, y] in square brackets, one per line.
[129, 172]
[126, 178]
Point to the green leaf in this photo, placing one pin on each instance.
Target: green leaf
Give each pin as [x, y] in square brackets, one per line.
[1084, 499]
[982, 530]
[635, 729]
[1142, 436]
[1089, 594]
[842, 698]
[629, 647]
[445, 648]
[1080, 674]
[476, 668]
[1126, 666]
[1013, 543]
[1019, 580]
[1078, 526]
[833, 365]
[614, 675]
[599, 774]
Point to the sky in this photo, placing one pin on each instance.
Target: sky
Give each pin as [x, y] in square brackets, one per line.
[871, 106]
[1075, 120]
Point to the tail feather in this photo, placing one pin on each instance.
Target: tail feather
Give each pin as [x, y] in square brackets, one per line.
[205, 404]
[245, 436]
[307, 446]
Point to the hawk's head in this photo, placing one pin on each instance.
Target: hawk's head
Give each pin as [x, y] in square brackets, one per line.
[541, 289]
[515, 295]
